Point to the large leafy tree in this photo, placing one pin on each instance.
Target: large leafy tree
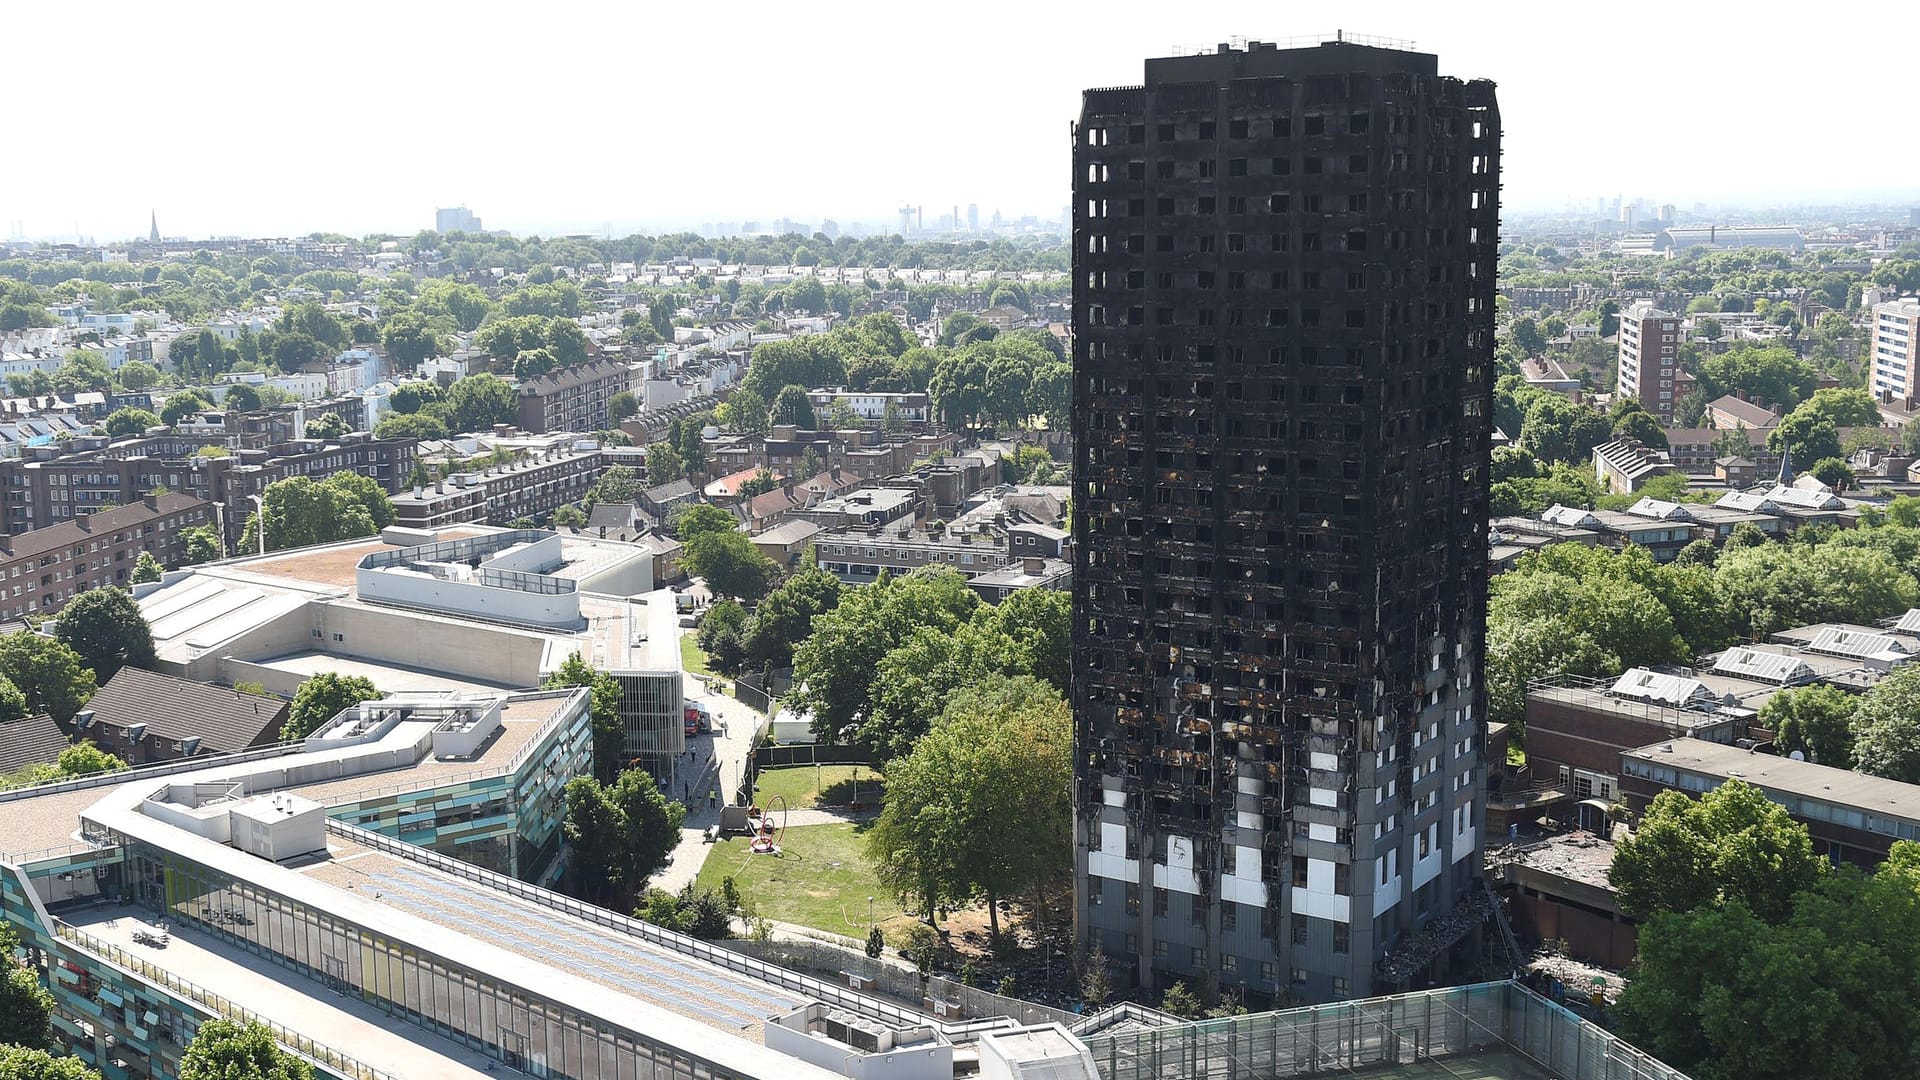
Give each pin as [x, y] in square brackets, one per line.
[621, 406]
[13, 703]
[744, 412]
[618, 835]
[478, 402]
[182, 405]
[105, 627]
[1809, 436]
[664, 464]
[730, 564]
[721, 631]
[981, 806]
[325, 426]
[202, 544]
[323, 697]
[834, 669]
[410, 339]
[1556, 429]
[1824, 993]
[301, 511]
[1769, 373]
[23, 1063]
[1542, 621]
[1733, 845]
[913, 682]
[126, 423]
[1815, 721]
[1886, 727]
[785, 617]
[415, 426]
[1774, 586]
[147, 569]
[792, 406]
[25, 1006]
[567, 342]
[692, 519]
[609, 732]
[959, 386]
[1040, 624]
[52, 676]
[811, 361]
[229, 1050]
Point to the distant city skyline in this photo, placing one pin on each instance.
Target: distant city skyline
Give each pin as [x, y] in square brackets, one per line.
[776, 112]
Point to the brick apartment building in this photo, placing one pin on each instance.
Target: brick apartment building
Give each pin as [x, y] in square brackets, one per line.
[52, 484]
[530, 487]
[1649, 344]
[572, 398]
[43, 569]
[144, 717]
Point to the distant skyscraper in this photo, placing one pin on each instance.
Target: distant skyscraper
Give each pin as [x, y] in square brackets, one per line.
[153, 231]
[457, 219]
[973, 217]
[906, 221]
[1282, 408]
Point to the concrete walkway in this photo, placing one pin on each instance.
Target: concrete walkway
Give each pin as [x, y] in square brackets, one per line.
[715, 764]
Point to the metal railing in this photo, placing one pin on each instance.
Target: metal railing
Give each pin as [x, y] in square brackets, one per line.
[23, 858]
[1434, 1026]
[834, 961]
[738, 963]
[319, 1053]
[143, 772]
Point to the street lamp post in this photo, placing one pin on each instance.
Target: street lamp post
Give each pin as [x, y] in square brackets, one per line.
[260, 508]
[869, 916]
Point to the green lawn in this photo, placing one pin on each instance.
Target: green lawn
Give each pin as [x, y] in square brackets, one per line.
[692, 657]
[806, 786]
[820, 879]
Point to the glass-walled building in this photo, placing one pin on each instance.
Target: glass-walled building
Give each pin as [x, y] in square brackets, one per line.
[139, 897]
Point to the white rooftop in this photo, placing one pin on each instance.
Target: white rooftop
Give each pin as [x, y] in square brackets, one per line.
[1843, 642]
[1654, 686]
[1764, 666]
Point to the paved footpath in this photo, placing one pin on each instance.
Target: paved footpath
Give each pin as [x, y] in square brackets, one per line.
[715, 763]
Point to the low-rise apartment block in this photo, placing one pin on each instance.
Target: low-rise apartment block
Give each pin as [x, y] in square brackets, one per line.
[572, 398]
[41, 570]
[532, 486]
[52, 484]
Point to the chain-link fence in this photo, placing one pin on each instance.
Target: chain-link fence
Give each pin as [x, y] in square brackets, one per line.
[1488, 1020]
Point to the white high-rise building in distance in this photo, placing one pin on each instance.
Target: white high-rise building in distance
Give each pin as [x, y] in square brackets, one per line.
[457, 219]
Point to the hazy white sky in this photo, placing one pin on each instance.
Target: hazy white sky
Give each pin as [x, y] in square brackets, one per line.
[267, 119]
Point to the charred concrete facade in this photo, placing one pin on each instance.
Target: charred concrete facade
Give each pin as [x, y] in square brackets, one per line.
[1283, 334]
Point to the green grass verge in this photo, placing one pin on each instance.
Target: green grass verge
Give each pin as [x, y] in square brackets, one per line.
[807, 786]
[820, 879]
[692, 657]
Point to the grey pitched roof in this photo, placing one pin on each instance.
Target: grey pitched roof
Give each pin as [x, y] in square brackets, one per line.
[30, 740]
[612, 515]
[171, 708]
[672, 489]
